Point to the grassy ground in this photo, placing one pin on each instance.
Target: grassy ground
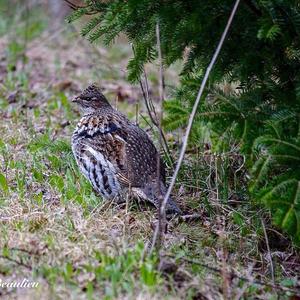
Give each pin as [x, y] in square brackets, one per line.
[56, 231]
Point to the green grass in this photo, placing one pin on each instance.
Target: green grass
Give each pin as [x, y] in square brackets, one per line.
[55, 230]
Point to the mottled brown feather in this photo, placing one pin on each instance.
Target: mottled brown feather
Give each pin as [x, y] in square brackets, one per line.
[113, 153]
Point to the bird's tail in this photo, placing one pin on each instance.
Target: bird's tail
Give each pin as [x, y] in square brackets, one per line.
[172, 207]
[155, 196]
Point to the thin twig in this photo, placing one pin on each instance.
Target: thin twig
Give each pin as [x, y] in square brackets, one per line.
[150, 108]
[146, 98]
[193, 114]
[269, 251]
[137, 112]
[22, 250]
[148, 123]
[235, 275]
[74, 6]
[19, 263]
[161, 213]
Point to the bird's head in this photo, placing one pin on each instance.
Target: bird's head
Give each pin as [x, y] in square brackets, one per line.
[91, 99]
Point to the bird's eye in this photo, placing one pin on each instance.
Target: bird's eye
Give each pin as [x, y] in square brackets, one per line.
[86, 98]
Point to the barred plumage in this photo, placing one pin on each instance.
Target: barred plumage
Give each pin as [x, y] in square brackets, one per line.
[115, 154]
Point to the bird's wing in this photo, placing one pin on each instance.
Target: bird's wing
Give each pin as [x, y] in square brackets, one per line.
[106, 135]
[142, 157]
[125, 145]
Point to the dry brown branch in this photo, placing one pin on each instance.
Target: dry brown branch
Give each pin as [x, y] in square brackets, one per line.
[233, 274]
[161, 213]
[193, 114]
[151, 111]
[137, 112]
[19, 263]
[75, 7]
[269, 251]
[147, 101]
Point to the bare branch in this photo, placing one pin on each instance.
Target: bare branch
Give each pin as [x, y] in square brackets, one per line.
[137, 112]
[150, 108]
[193, 114]
[269, 251]
[161, 212]
[75, 7]
[146, 98]
[19, 263]
[72, 5]
[233, 274]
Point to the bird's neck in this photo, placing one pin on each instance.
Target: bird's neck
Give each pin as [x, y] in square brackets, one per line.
[97, 111]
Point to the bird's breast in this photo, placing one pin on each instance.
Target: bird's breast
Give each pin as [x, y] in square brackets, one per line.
[97, 169]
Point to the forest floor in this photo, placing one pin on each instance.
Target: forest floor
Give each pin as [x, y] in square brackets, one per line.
[55, 231]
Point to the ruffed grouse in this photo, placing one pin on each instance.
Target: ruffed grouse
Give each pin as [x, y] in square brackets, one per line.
[114, 154]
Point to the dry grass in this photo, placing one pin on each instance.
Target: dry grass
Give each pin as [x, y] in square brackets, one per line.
[54, 230]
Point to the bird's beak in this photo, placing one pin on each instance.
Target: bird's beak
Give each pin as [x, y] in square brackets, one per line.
[76, 99]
